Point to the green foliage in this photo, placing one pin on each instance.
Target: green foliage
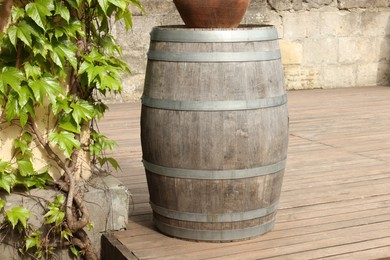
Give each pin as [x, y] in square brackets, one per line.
[49, 55]
[99, 144]
[55, 214]
[18, 215]
[57, 54]
[34, 240]
[2, 204]
[75, 251]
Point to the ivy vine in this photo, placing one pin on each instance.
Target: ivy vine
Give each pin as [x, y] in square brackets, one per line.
[57, 54]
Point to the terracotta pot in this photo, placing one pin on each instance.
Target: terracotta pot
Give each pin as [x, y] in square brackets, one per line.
[212, 13]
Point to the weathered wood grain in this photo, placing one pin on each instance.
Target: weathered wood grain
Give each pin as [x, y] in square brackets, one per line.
[234, 139]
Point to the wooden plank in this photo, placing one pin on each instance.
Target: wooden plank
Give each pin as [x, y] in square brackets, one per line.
[260, 248]
[335, 201]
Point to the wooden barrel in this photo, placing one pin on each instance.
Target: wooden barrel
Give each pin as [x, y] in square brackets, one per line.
[214, 131]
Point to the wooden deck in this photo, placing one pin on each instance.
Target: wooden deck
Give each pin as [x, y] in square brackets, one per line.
[335, 201]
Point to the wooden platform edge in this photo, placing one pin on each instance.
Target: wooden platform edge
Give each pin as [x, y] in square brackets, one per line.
[112, 248]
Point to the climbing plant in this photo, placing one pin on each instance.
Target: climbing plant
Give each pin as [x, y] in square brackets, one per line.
[56, 56]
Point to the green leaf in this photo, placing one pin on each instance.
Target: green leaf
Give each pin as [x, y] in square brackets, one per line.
[7, 182]
[108, 82]
[61, 105]
[2, 204]
[37, 180]
[82, 110]
[54, 215]
[109, 45]
[12, 108]
[66, 234]
[90, 226]
[38, 11]
[18, 214]
[103, 5]
[100, 109]
[127, 17]
[17, 13]
[119, 3]
[25, 167]
[23, 118]
[24, 31]
[27, 137]
[84, 67]
[94, 71]
[46, 85]
[66, 141]
[42, 47]
[32, 71]
[100, 143]
[62, 11]
[29, 108]
[73, 29]
[114, 163]
[12, 34]
[21, 145]
[34, 240]
[10, 76]
[75, 251]
[56, 59]
[137, 4]
[69, 124]
[25, 95]
[62, 52]
[74, 3]
[5, 167]
[44, 169]
[59, 200]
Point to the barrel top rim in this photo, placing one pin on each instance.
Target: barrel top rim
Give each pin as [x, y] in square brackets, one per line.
[244, 33]
[239, 28]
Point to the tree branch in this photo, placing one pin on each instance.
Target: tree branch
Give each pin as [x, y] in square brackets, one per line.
[50, 153]
[5, 12]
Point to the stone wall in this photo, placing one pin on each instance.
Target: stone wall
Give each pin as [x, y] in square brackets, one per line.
[324, 43]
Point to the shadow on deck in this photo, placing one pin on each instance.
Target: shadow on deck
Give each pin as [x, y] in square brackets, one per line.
[335, 201]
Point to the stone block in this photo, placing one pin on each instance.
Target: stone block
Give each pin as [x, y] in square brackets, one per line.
[261, 17]
[153, 7]
[257, 12]
[280, 5]
[367, 74]
[383, 73]
[338, 76]
[301, 25]
[292, 52]
[375, 23]
[326, 34]
[383, 49]
[107, 201]
[358, 50]
[318, 3]
[299, 77]
[320, 51]
[340, 23]
[297, 5]
[347, 4]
